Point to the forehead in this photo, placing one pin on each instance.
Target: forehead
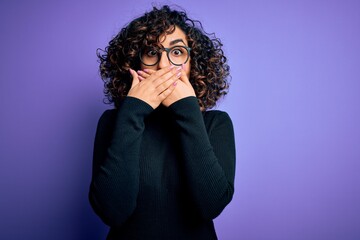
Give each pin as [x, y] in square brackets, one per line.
[165, 39]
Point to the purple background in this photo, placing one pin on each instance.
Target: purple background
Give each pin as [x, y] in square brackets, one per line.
[294, 101]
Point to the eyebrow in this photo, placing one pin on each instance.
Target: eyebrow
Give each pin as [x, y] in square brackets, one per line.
[176, 41]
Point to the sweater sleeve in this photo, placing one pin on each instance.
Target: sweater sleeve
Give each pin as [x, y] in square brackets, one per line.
[115, 177]
[209, 156]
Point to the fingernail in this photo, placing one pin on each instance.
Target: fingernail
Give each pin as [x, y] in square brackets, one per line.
[175, 83]
[178, 74]
[172, 66]
[178, 69]
[141, 78]
[140, 72]
[183, 66]
[146, 70]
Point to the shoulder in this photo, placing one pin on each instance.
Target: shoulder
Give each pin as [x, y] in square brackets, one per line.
[108, 115]
[107, 119]
[215, 115]
[216, 118]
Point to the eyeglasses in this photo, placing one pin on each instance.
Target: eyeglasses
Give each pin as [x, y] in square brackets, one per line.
[177, 55]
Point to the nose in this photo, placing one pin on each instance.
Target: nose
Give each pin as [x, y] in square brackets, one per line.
[164, 61]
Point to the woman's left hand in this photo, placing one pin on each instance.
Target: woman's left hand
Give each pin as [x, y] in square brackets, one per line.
[183, 89]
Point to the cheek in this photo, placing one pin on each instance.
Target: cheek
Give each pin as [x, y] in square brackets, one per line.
[142, 67]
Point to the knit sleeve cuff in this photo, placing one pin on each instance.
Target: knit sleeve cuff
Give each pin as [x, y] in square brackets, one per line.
[185, 106]
[136, 106]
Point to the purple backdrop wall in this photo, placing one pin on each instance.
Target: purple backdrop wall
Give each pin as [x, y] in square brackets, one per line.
[294, 101]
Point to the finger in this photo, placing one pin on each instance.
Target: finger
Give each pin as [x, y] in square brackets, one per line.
[141, 78]
[135, 77]
[160, 73]
[168, 75]
[164, 94]
[183, 76]
[165, 85]
[149, 71]
[143, 74]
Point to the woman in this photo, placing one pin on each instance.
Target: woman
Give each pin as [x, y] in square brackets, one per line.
[163, 165]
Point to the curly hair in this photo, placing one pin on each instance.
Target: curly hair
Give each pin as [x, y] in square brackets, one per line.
[209, 70]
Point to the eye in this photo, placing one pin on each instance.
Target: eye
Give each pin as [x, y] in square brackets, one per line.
[151, 53]
[177, 52]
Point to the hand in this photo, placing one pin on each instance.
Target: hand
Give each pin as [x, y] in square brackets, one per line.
[154, 89]
[183, 89]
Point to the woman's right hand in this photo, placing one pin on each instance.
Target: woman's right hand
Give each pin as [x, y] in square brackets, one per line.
[154, 89]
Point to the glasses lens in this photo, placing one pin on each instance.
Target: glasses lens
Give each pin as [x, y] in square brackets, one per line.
[178, 55]
[150, 56]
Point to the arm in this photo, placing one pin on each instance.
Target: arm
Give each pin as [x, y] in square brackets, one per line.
[209, 157]
[115, 178]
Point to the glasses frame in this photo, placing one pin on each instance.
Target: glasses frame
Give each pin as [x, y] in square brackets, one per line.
[167, 50]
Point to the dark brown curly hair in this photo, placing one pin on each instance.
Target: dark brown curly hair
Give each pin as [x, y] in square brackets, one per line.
[209, 70]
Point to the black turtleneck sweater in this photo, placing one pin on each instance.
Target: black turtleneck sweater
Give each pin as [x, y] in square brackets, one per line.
[163, 173]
